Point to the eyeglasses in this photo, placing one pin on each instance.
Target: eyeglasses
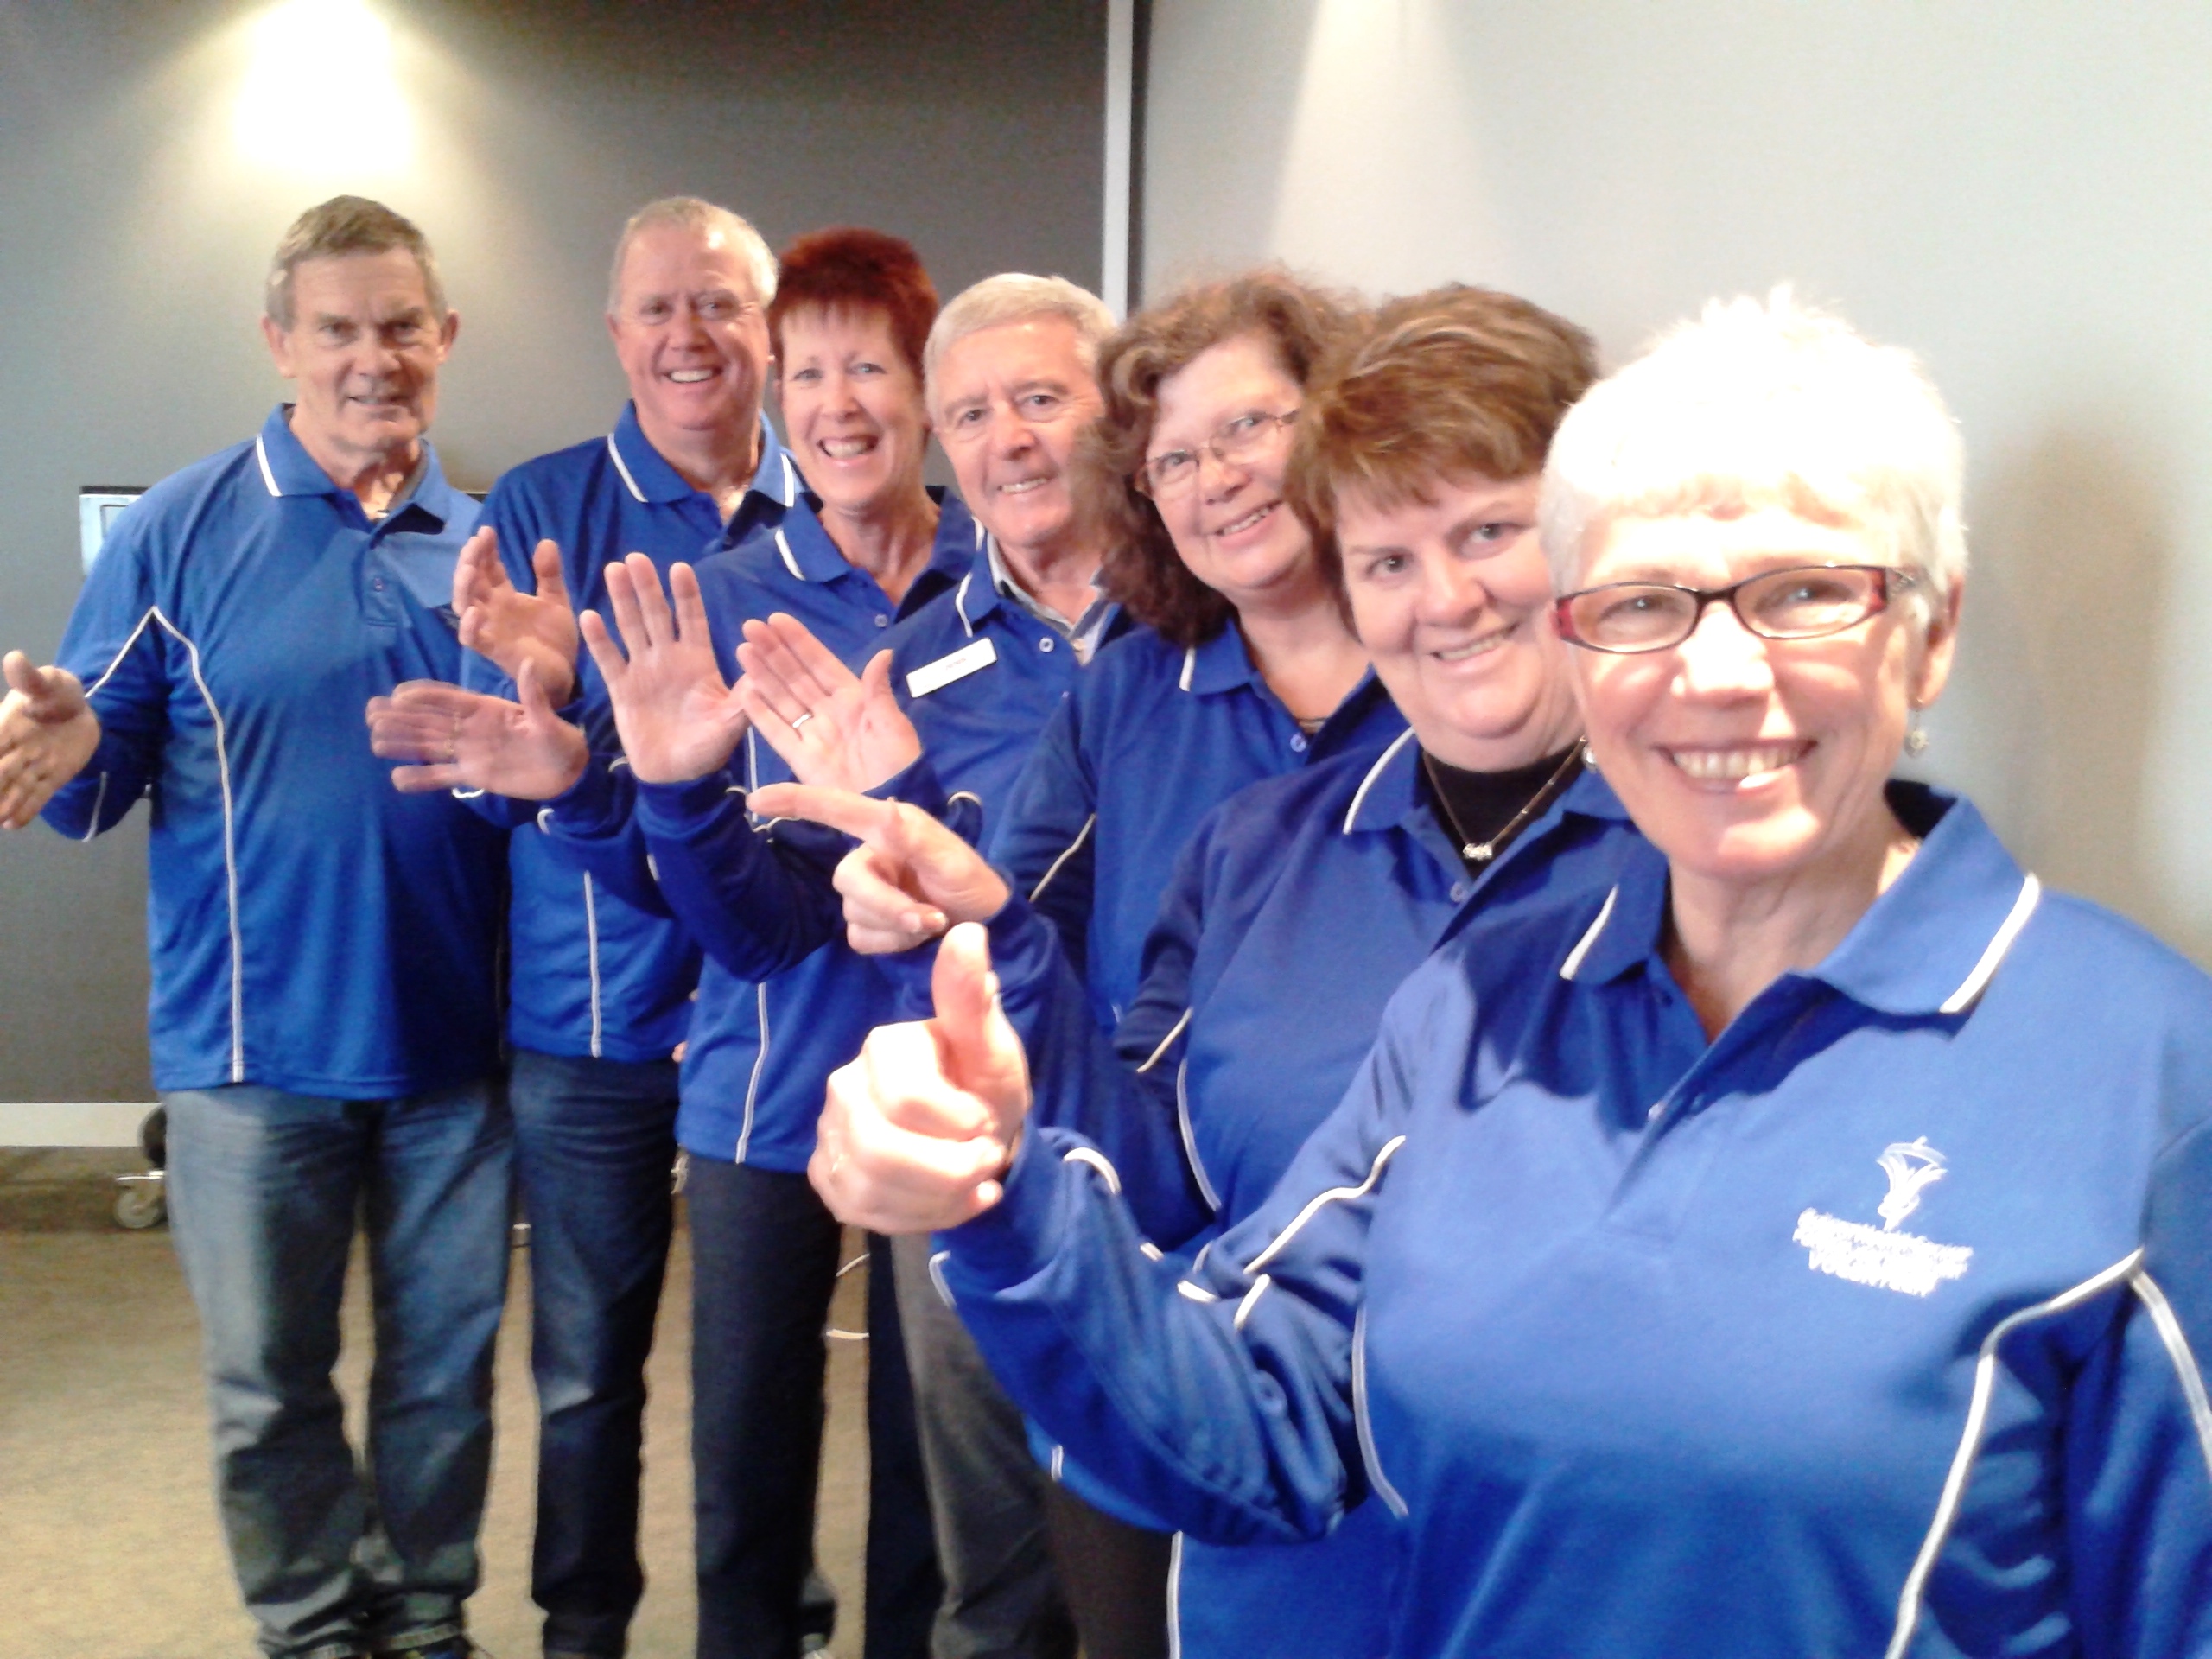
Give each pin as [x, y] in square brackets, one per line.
[1803, 603]
[1237, 442]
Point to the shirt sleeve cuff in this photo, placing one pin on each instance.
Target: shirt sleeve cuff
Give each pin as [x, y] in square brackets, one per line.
[1013, 1239]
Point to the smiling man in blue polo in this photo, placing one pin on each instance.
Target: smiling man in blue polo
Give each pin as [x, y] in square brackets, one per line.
[324, 1025]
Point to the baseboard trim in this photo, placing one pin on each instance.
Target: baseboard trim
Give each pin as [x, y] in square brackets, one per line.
[71, 1123]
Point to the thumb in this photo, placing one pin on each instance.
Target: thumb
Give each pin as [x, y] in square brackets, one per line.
[536, 708]
[546, 563]
[982, 1053]
[22, 675]
[875, 679]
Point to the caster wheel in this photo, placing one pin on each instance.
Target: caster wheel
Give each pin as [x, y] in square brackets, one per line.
[141, 1205]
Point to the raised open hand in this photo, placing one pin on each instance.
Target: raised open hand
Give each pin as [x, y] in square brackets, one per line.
[917, 1133]
[832, 726]
[677, 716]
[452, 739]
[910, 878]
[48, 732]
[500, 621]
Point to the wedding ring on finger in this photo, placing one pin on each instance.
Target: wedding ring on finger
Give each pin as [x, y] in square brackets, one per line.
[802, 720]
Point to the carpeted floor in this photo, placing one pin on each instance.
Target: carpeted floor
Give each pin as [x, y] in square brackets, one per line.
[108, 1543]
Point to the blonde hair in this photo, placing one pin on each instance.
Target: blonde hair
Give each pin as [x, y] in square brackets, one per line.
[342, 226]
[1014, 297]
[695, 213]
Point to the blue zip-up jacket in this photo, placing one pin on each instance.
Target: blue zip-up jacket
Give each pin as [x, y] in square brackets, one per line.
[1870, 1326]
[1152, 738]
[312, 928]
[782, 1001]
[1294, 914]
[588, 972]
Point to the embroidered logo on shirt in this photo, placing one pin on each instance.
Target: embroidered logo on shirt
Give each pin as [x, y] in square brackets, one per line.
[1882, 1256]
[931, 676]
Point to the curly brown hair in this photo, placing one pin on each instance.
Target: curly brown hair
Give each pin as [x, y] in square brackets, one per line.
[1301, 322]
[1459, 382]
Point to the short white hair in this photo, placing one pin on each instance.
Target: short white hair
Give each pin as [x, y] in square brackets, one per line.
[1756, 403]
[1009, 297]
[694, 213]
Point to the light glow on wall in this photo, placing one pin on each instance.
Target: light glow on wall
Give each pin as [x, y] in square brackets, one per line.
[320, 93]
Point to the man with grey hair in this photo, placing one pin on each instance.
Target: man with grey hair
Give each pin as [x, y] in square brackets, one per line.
[1010, 378]
[324, 1029]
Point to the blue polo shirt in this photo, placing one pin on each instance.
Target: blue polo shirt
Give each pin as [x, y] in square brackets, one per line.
[1151, 739]
[1873, 1324]
[782, 1001]
[588, 972]
[312, 928]
[1294, 915]
[980, 676]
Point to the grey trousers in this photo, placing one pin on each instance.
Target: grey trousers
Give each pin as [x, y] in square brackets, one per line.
[1002, 1599]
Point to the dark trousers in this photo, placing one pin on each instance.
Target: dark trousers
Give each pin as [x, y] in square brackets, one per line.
[764, 1264]
[1116, 1577]
[594, 1141]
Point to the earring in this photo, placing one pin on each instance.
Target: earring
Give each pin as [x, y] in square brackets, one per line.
[1589, 761]
[1916, 738]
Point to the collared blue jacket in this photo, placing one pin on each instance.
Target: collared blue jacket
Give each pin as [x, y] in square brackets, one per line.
[312, 928]
[1151, 739]
[1294, 914]
[588, 972]
[1870, 1326]
[782, 1001]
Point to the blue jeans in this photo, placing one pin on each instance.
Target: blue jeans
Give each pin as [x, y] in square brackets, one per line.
[263, 1189]
[594, 1144]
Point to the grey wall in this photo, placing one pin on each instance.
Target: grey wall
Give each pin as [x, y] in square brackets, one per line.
[134, 230]
[2022, 194]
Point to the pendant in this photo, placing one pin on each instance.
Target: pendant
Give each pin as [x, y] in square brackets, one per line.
[1474, 854]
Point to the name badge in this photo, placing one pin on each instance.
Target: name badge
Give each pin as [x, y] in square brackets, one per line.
[932, 676]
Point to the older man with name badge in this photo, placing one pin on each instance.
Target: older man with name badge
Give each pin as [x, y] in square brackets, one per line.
[324, 1026]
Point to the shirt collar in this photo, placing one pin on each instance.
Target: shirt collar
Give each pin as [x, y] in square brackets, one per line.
[1926, 946]
[774, 488]
[1221, 664]
[287, 469]
[646, 472]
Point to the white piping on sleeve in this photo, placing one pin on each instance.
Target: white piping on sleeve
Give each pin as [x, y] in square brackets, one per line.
[100, 800]
[1092, 1158]
[1183, 680]
[619, 466]
[760, 1064]
[1977, 981]
[1352, 812]
[1059, 1462]
[1361, 1421]
[2168, 1326]
[1175, 1598]
[1314, 1205]
[1192, 1293]
[230, 820]
[1251, 1299]
[1954, 1483]
[1067, 853]
[261, 454]
[1173, 1032]
[784, 548]
[937, 1278]
[591, 959]
[1190, 1137]
[1573, 965]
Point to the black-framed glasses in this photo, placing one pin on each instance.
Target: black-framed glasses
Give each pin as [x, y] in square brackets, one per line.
[1802, 602]
[1236, 442]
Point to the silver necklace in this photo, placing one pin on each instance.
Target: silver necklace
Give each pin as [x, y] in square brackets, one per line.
[1481, 852]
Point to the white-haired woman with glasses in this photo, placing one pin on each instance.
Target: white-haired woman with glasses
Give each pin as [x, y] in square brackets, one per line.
[1803, 1248]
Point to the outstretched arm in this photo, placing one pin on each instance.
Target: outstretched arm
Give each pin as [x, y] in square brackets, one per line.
[452, 739]
[47, 733]
[1222, 1402]
[509, 627]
